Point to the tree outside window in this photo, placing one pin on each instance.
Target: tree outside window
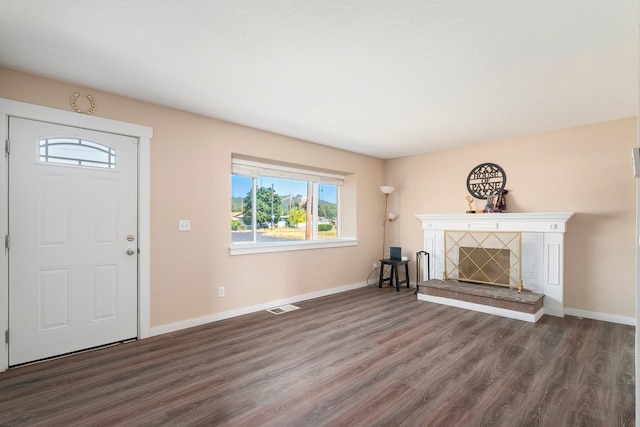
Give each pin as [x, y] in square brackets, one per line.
[284, 209]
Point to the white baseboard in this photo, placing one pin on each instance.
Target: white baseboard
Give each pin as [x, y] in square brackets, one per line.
[188, 323]
[605, 317]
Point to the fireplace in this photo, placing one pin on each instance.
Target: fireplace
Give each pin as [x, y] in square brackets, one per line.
[486, 265]
[537, 260]
[486, 257]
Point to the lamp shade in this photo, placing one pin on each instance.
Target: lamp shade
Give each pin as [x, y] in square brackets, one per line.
[387, 189]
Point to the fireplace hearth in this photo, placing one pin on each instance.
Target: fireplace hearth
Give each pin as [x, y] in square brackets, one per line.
[522, 306]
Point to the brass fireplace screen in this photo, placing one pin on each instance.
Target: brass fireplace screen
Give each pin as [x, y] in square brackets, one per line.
[485, 257]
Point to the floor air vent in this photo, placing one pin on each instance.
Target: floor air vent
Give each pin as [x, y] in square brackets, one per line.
[283, 309]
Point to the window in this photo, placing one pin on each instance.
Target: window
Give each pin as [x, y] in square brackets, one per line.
[79, 152]
[276, 207]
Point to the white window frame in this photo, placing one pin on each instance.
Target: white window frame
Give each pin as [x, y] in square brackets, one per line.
[256, 169]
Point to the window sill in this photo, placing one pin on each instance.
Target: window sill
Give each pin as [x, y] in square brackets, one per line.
[259, 248]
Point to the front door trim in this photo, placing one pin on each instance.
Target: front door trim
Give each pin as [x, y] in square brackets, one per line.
[67, 118]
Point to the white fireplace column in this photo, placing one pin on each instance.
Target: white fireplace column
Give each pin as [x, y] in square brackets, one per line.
[542, 247]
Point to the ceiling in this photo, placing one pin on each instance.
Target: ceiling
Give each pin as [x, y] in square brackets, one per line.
[383, 78]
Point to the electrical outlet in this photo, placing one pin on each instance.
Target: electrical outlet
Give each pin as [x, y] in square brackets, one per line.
[220, 291]
[375, 265]
[184, 225]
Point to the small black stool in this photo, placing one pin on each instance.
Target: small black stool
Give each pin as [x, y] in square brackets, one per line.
[394, 263]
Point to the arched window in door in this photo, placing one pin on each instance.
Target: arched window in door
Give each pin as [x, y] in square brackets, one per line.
[78, 152]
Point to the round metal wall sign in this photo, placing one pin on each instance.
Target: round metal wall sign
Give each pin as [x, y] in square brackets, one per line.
[486, 179]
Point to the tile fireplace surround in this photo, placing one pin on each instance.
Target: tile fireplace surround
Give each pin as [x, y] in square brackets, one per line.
[542, 250]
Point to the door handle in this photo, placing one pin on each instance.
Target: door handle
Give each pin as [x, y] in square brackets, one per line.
[131, 251]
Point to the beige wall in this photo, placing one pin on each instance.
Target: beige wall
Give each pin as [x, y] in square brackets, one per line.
[586, 170]
[190, 179]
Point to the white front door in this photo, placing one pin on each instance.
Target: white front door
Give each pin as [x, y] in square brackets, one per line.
[73, 239]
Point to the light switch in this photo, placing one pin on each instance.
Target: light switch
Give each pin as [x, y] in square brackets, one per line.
[184, 225]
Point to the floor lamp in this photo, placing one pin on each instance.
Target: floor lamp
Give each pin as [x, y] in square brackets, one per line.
[386, 190]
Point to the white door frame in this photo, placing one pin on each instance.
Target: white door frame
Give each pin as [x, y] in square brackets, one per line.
[52, 115]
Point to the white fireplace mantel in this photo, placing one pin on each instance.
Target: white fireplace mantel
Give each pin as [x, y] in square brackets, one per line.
[542, 247]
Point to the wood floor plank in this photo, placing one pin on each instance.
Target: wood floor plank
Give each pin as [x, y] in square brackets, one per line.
[366, 357]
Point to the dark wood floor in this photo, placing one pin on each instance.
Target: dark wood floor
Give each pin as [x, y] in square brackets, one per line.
[366, 357]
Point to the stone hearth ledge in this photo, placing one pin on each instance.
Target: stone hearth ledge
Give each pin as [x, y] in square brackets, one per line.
[501, 301]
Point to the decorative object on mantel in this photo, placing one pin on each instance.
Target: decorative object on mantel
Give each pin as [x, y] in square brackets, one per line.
[501, 201]
[386, 190]
[74, 105]
[496, 202]
[488, 208]
[486, 179]
[470, 201]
